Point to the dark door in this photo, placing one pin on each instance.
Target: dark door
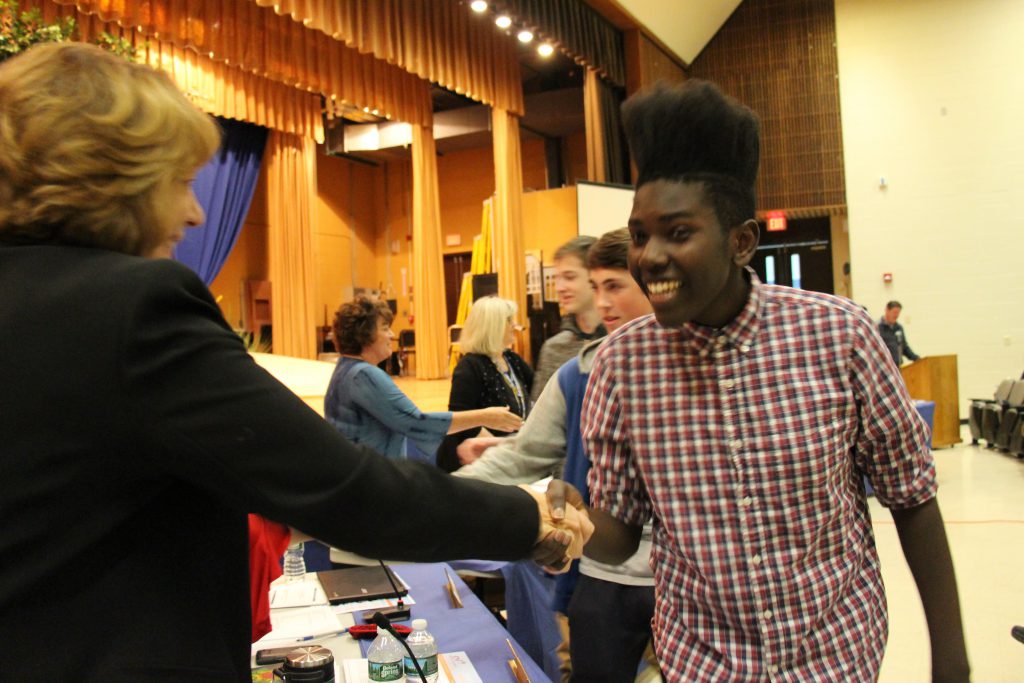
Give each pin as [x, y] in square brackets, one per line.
[455, 266]
[800, 257]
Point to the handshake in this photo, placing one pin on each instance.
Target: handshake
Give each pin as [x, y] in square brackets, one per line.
[564, 529]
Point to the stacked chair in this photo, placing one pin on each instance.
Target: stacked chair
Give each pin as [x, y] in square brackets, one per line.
[1000, 421]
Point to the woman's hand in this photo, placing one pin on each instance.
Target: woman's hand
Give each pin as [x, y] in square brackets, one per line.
[501, 419]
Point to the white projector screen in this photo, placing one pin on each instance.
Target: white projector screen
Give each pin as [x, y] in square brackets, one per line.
[601, 207]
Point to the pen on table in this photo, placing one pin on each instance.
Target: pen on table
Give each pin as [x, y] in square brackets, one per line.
[322, 635]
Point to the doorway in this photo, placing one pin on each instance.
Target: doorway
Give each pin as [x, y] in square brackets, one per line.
[800, 257]
[455, 266]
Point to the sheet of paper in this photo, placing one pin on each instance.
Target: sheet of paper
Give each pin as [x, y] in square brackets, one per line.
[302, 622]
[462, 671]
[364, 605]
[301, 594]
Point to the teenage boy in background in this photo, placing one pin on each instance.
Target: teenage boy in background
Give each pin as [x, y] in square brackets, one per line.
[742, 417]
[580, 321]
[609, 606]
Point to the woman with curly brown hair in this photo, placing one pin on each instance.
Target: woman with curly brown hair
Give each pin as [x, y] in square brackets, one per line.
[365, 405]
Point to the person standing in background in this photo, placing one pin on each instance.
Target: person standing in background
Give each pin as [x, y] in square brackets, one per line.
[893, 335]
[581, 322]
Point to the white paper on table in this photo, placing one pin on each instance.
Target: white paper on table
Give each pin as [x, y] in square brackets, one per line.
[297, 594]
[302, 622]
[366, 605]
[357, 670]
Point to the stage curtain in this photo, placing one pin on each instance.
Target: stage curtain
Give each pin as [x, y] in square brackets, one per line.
[216, 88]
[427, 260]
[607, 159]
[224, 188]
[509, 257]
[256, 40]
[440, 41]
[291, 193]
[596, 164]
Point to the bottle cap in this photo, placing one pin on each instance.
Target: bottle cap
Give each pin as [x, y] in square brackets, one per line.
[419, 624]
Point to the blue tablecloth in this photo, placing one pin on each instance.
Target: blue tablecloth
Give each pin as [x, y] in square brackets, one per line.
[472, 629]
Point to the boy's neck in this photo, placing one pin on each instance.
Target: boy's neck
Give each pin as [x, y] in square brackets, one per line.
[587, 321]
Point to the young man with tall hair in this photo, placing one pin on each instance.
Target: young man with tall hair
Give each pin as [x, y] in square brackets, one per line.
[609, 606]
[743, 418]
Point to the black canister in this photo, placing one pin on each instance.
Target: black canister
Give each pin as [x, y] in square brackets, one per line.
[309, 664]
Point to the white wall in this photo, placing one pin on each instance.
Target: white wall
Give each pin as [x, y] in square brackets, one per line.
[932, 97]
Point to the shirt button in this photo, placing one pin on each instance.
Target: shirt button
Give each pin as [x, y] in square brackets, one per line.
[736, 444]
[744, 348]
[773, 669]
[747, 500]
[756, 559]
[728, 383]
[766, 615]
[720, 341]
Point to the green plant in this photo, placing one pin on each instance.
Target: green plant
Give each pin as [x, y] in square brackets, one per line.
[19, 30]
[120, 46]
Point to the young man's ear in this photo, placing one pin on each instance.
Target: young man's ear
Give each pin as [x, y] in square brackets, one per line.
[745, 237]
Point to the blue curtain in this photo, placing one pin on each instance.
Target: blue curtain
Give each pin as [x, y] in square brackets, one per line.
[224, 188]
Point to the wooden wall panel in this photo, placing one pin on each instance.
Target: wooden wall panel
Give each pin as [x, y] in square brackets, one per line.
[779, 58]
[646, 63]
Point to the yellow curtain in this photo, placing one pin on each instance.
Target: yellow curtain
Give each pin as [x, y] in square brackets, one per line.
[427, 261]
[440, 41]
[596, 163]
[509, 257]
[291, 191]
[216, 88]
[254, 39]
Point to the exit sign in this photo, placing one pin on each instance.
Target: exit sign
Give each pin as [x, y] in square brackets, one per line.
[776, 221]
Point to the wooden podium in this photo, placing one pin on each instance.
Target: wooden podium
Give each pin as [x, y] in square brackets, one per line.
[935, 379]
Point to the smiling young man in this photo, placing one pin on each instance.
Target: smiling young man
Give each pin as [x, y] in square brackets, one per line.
[742, 417]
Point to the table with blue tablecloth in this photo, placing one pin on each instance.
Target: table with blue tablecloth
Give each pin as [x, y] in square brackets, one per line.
[472, 628]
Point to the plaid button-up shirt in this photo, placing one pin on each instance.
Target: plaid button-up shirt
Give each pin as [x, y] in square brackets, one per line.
[748, 444]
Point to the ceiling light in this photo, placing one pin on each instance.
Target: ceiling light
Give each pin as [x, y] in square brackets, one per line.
[503, 21]
[478, 6]
[545, 50]
[525, 36]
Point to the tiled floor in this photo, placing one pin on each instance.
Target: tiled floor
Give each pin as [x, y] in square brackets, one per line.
[982, 500]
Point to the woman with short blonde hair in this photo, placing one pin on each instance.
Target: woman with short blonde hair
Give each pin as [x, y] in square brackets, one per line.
[485, 328]
[489, 372]
[107, 139]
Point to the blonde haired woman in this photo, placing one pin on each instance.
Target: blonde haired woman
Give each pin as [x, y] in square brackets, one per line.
[131, 457]
[489, 373]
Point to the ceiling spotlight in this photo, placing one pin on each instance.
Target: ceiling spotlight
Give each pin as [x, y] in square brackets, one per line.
[478, 6]
[503, 21]
[525, 36]
[545, 50]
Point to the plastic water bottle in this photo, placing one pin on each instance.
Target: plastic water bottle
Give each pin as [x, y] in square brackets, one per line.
[294, 563]
[385, 658]
[423, 646]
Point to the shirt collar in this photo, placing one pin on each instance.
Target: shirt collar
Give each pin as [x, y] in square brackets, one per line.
[741, 332]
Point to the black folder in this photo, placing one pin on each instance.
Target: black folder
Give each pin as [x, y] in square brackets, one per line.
[359, 583]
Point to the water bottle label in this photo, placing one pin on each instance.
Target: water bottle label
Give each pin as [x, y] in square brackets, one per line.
[428, 664]
[388, 671]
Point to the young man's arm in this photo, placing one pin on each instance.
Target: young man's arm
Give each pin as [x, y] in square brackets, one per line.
[923, 538]
[613, 542]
